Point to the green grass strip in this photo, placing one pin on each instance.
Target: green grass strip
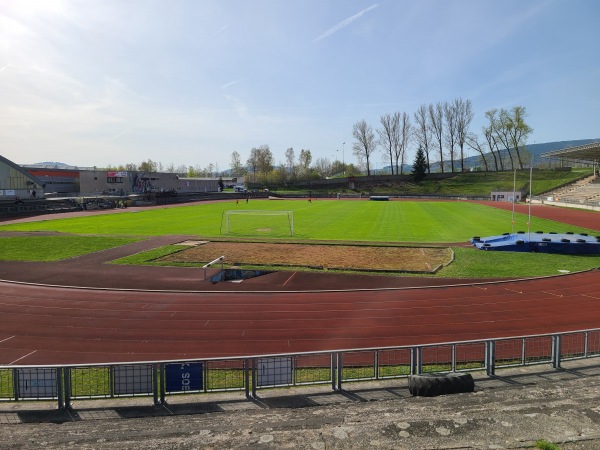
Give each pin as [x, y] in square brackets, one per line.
[56, 248]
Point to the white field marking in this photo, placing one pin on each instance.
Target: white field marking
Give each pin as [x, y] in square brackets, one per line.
[4, 340]
[552, 293]
[291, 276]
[512, 290]
[19, 359]
[590, 296]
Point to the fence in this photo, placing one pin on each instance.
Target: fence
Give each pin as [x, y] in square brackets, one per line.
[250, 374]
[593, 205]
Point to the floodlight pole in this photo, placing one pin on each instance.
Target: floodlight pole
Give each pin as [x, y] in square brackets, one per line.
[530, 191]
[344, 159]
[513, 201]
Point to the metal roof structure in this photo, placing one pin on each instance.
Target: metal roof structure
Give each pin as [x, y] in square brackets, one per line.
[589, 153]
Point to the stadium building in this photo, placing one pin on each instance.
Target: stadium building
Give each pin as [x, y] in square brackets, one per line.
[17, 183]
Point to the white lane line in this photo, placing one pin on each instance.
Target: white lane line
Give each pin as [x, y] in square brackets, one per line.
[22, 357]
[4, 340]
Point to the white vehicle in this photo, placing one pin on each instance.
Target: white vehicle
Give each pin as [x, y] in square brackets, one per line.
[239, 188]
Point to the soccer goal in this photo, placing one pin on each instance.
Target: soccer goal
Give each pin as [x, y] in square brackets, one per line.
[257, 223]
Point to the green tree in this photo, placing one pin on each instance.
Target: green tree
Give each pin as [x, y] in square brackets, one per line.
[237, 168]
[305, 159]
[419, 166]
[260, 161]
[148, 166]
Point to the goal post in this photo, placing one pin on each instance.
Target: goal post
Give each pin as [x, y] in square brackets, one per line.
[257, 223]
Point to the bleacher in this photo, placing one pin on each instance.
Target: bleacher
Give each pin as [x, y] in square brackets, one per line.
[586, 190]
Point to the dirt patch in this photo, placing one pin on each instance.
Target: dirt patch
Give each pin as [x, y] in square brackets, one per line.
[369, 258]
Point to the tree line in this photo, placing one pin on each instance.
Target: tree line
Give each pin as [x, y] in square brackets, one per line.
[441, 132]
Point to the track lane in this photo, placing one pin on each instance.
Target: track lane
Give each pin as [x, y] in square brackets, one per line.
[161, 326]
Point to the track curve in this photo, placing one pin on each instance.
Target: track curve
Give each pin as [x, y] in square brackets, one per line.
[43, 325]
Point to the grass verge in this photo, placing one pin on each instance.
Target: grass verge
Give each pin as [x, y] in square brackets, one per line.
[56, 248]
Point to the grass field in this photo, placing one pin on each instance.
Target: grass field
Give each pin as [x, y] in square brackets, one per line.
[326, 220]
[329, 220]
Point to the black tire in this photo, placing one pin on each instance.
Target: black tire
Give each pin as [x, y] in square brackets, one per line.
[432, 384]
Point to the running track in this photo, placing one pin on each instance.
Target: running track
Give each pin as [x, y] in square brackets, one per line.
[58, 325]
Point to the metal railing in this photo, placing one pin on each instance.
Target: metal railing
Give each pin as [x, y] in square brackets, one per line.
[568, 202]
[160, 379]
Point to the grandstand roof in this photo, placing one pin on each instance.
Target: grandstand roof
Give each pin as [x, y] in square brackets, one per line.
[589, 153]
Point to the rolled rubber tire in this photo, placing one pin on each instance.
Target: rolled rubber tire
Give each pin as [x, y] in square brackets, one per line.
[434, 384]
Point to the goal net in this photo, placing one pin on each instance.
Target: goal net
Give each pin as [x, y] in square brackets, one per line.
[258, 223]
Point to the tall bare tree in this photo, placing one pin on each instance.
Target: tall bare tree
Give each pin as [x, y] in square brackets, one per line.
[436, 125]
[490, 135]
[472, 141]
[450, 120]
[365, 143]
[389, 135]
[422, 132]
[402, 145]
[464, 116]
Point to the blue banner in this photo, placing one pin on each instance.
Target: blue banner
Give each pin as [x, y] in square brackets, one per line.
[183, 377]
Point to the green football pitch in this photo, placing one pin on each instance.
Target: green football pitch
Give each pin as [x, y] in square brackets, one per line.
[329, 220]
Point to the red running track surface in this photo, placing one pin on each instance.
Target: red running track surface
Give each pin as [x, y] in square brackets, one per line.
[41, 325]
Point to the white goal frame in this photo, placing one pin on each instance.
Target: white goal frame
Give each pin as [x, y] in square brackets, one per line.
[226, 216]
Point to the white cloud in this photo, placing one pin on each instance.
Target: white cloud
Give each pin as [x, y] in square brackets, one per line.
[344, 23]
[231, 83]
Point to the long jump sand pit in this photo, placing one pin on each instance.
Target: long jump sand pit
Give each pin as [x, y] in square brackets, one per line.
[381, 258]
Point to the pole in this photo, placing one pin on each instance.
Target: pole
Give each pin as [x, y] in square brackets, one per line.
[530, 189]
[513, 201]
[343, 158]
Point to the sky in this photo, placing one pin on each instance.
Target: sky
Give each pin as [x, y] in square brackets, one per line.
[188, 82]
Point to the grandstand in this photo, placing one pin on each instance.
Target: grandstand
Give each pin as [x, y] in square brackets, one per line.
[584, 190]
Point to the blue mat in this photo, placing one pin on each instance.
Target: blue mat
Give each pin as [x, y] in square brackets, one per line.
[564, 243]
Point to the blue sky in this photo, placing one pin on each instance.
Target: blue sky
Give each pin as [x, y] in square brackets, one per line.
[98, 82]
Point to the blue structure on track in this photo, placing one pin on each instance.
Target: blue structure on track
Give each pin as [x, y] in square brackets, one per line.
[564, 243]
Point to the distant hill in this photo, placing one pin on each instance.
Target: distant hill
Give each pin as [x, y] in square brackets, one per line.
[533, 149]
[54, 165]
